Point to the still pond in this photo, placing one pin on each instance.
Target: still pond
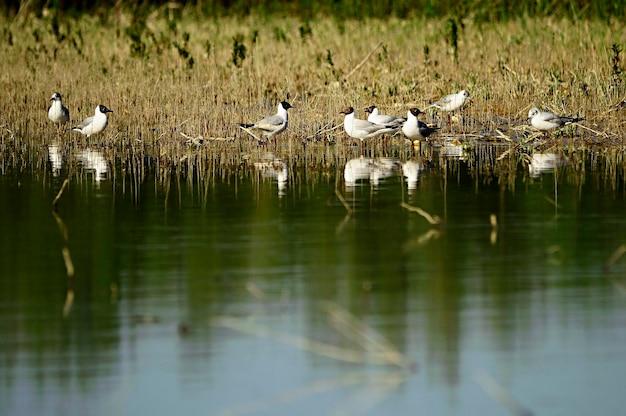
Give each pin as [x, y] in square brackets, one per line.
[439, 284]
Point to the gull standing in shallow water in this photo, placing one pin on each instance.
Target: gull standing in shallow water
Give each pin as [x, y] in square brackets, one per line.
[58, 113]
[415, 129]
[545, 120]
[270, 126]
[94, 124]
[383, 119]
[452, 102]
[362, 129]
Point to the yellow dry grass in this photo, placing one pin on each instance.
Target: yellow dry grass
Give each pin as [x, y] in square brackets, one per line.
[158, 98]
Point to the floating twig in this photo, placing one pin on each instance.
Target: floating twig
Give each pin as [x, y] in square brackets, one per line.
[343, 201]
[69, 301]
[432, 219]
[56, 198]
[69, 265]
[493, 236]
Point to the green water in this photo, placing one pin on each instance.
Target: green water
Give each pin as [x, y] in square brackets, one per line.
[196, 293]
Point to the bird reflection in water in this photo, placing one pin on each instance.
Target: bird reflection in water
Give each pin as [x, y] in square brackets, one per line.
[274, 168]
[411, 170]
[368, 169]
[56, 158]
[94, 161]
[371, 170]
[544, 163]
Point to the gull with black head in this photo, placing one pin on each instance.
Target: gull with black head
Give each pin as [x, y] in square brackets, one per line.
[414, 129]
[362, 129]
[270, 126]
[383, 119]
[96, 123]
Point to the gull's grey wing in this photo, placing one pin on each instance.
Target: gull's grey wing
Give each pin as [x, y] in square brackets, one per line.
[387, 119]
[366, 126]
[445, 100]
[269, 123]
[85, 122]
[553, 118]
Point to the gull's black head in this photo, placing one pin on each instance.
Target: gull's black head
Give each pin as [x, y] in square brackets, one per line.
[346, 111]
[286, 105]
[370, 109]
[103, 109]
[416, 111]
[55, 96]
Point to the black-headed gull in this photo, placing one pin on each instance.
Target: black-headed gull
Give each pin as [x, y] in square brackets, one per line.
[57, 113]
[383, 119]
[415, 129]
[545, 120]
[270, 125]
[452, 102]
[362, 129]
[94, 124]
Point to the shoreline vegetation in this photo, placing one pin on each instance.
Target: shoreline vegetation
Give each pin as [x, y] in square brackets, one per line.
[479, 10]
[179, 82]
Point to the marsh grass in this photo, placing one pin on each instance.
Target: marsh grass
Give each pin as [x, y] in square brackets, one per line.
[179, 85]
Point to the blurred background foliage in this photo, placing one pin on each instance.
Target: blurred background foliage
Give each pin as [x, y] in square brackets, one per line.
[478, 10]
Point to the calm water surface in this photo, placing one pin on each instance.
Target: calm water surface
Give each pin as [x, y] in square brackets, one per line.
[206, 296]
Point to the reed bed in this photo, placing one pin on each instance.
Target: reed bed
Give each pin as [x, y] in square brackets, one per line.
[179, 85]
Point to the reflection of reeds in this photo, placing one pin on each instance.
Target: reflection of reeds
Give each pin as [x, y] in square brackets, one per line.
[374, 348]
[371, 348]
[617, 254]
[374, 389]
[608, 265]
[499, 394]
[65, 251]
[347, 324]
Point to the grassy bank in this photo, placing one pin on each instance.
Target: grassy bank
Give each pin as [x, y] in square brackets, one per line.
[168, 75]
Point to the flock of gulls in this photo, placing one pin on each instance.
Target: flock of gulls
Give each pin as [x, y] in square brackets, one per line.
[269, 127]
[375, 125]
